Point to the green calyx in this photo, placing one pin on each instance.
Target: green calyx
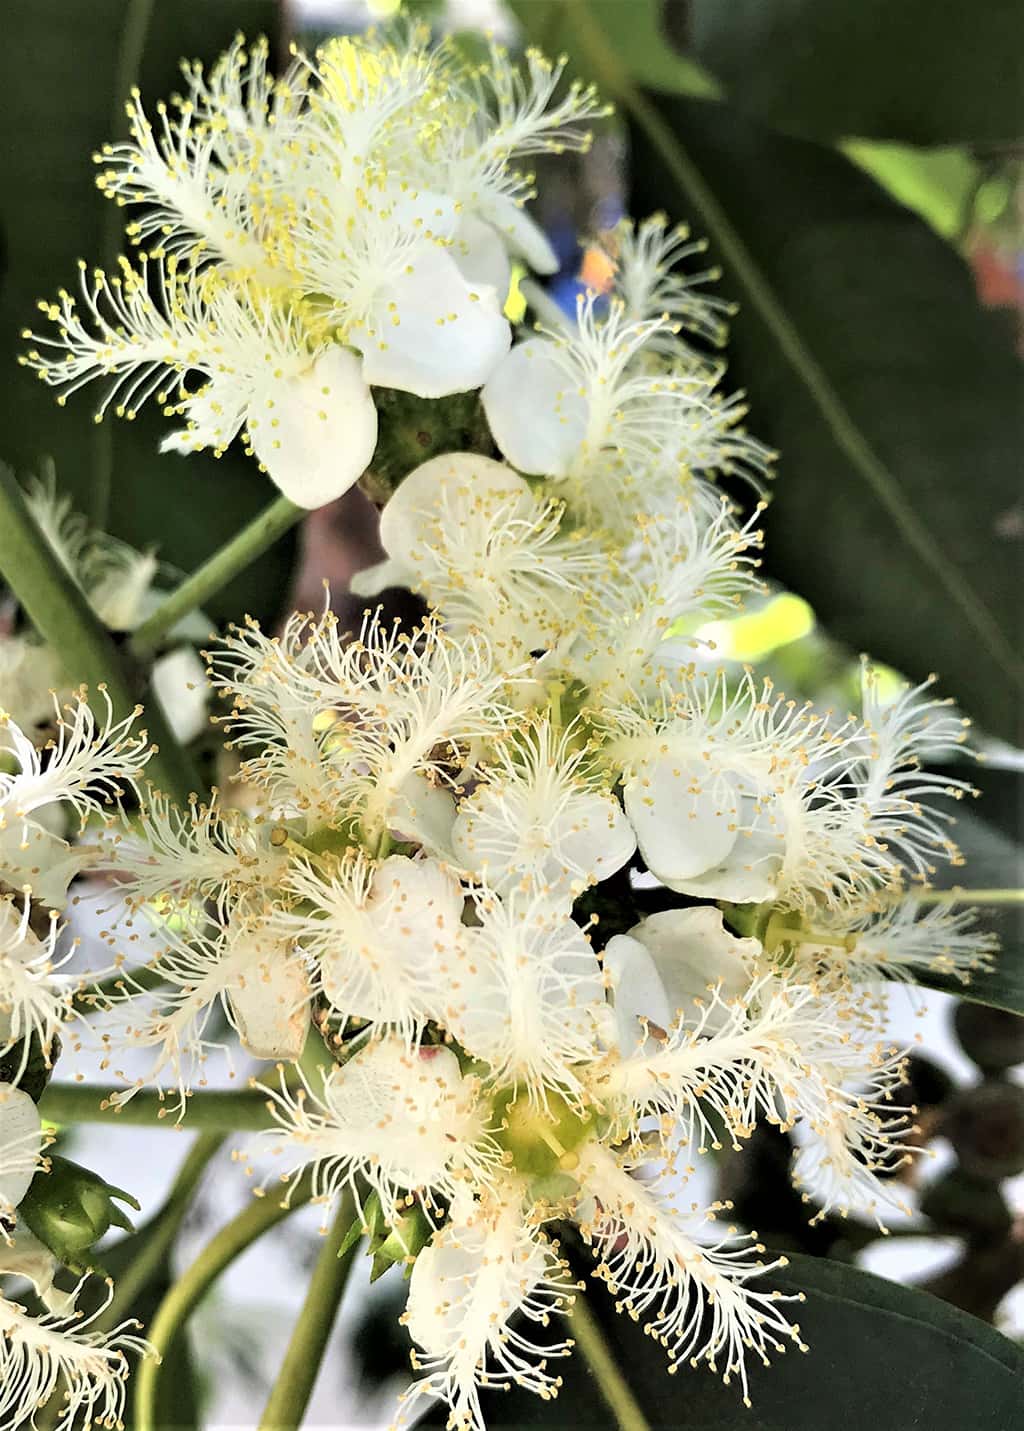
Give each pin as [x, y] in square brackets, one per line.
[69, 1208]
[542, 1141]
[412, 429]
[401, 1240]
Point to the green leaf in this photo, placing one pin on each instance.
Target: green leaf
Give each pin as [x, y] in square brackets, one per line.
[641, 31]
[891, 395]
[65, 71]
[989, 836]
[922, 71]
[882, 1358]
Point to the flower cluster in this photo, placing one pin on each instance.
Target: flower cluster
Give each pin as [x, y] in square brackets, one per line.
[307, 238]
[431, 856]
[47, 796]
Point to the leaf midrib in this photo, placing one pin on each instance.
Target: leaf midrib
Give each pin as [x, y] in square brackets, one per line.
[611, 74]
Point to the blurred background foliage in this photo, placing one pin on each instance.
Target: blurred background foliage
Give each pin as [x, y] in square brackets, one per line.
[855, 166]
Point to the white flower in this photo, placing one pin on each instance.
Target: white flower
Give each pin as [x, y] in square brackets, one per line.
[484, 1266]
[667, 964]
[542, 817]
[35, 999]
[398, 1117]
[529, 996]
[349, 730]
[81, 767]
[683, 566]
[487, 553]
[340, 227]
[22, 1141]
[655, 1263]
[617, 429]
[302, 400]
[381, 938]
[57, 1351]
[245, 969]
[515, 1128]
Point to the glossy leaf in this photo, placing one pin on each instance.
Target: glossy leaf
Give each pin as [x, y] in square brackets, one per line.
[882, 1358]
[65, 71]
[922, 71]
[891, 395]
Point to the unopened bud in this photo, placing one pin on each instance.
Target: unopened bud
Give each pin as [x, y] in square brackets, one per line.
[70, 1208]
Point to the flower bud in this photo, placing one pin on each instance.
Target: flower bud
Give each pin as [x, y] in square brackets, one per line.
[70, 1208]
[991, 1038]
[412, 429]
[985, 1124]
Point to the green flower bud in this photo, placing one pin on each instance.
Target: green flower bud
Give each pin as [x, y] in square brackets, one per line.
[412, 429]
[70, 1208]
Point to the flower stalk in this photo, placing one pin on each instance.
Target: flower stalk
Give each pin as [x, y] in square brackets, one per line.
[290, 1395]
[63, 618]
[183, 1298]
[240, 552]
[207, 1109]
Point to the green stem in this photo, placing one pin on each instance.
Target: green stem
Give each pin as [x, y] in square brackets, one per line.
[161, 1230]
[156, 1239]
[241, 551]
[612, 1384]
[607, 68]
[181, 1301]
[240, 1112]
[960, 895]
[287, 1402]
[59, 611]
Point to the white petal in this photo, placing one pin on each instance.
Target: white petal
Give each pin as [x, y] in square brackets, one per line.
[430, 332]
[407, 1113]
[318, 436]
[749, 873]
[691, 950]
[685, 816]
[425, 813]
[637, 991]
[479, 1269]
[180, 686]
[412, 513]
[372, 580]
[271, 1003]
[522, 235]
[21, 1141]
[536, 419]
[481, 255]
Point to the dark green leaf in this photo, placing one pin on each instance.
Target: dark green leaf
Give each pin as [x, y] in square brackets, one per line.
[893, 398]
[65, 71]
[882, 1358]
[989, 835]
[924, 71]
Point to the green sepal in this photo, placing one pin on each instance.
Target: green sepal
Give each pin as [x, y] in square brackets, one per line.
[68, 1208]
[749, 921]
[405, 1240]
